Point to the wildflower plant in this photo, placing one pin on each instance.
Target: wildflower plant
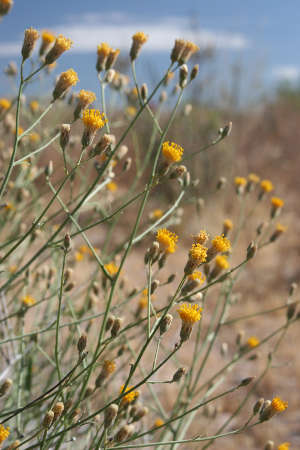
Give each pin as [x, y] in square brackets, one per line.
[85, 347]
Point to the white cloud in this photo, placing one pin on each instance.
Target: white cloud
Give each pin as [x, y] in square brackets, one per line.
[117, 28]
[289, 73]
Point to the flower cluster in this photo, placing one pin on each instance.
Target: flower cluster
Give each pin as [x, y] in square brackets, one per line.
[167, 240]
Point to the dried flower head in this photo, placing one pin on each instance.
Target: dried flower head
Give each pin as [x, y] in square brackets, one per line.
[61, 45]
[167, 240]
[201, 237]
[65, 81]
[138, 40]
[172, 152]
[30, 37]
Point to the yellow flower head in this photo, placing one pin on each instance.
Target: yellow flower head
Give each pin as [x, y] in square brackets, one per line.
[281, 228]
[5, 6]
[111, 186]
[156, 214]
[130, 397]
[9, 206]
[4, 433]
[253, 178]
[198, 254]
[278, 405]
[189, 314]
[228, 224]
[221, 262]
[240, 181]
[201, 237]
[65, 81]
[131, 111]
[277, 202]
[167, 240]
[197, 276]
[253, 341]
[111, 268]
[27, 300]
[189, 49]
[79, 256]
[284, 446]
[61, 45]
[266, 185]
[221, 243]
[93, 120]
[34, 137]
[158, 422]
[109, 367]
[103, 50]
[85, 98]
[34, 106]
[172, 152]
[4, 104]
[140, 37]
[143, 302]
[47, 37]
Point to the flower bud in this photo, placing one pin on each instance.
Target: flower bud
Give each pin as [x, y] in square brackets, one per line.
[144, 92]
[116, 327]
[49, 169]
[194, 71]
[110, 413]
[64, 135]
[81, 344]
[165, 323]
[183, 74]
[179, 374]
[5, 387]
[124, 433]
[48, 419]
[67, 242]
[58, 409]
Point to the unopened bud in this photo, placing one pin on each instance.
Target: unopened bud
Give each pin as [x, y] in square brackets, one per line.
[124, 433]
[109, 76]
[178, 172]
[139, 413]
[224, 348]
[154, 286]
[5, 387]
[224, 132]
[291, 309]
[258, 405]
[171, 278]
[239, 338]
[81, 344]
[221, 183]
[144, 92]
[165, 323]
[110, 413]
[116, 327]
[69, 286]
[269, 445]
[67, 242]
[123, 150]
[58, 409]
[179, 374]
[48, 419]
[292, 289]
[109, 322]
[104, 143]
[49, 169]
[183, 74]
[127, 164]
[246, 381]
[65, 130]
[194, 71]
[251, 250]
[163, 97]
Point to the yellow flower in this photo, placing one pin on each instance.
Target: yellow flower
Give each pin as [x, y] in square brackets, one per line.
[109, 367]
[85, 98]
[228, 224]
[201, 237]
[172, 152]
[240, 181]
[277, 202]
[131, 111]
[253, 178]
[34, 106]
[111, 186]
[221, 243]
[281, 228]
[140, 37]
[143, 302]
[167, 240]
[61, 45]
[278, 405]
[93, 120]
[34, 137]
[111, 268]
[197, 276]
[198, 254]
[47, 37]
[156, 214]
[158, 422]
[13, 268]
[284, 446]
[9, 206]
[189, 49]
[103, 50]
[189, 314]
[65, 81]
[4, 433]
[79, 256]
[221, 262]
[28, 300]
[253, 341]
[4, 104]
[130, 397]
[266, 186]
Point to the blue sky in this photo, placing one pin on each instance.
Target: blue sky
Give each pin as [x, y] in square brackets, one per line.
[263, 35]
